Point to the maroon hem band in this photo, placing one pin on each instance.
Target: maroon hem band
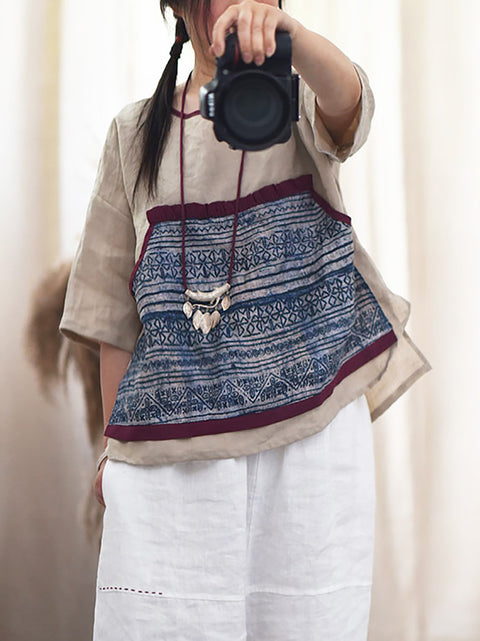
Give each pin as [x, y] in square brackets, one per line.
[166, 431]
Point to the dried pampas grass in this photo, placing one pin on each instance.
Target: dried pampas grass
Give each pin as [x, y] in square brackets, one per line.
[52, 356]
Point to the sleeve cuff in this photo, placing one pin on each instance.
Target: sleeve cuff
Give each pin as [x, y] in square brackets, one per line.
[322, 139]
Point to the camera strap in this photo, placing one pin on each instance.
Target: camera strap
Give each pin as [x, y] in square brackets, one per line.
[203, 307]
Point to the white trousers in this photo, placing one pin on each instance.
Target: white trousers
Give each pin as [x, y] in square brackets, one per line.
[274, 546]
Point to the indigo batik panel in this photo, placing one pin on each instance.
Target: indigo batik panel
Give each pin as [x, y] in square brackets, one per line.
[302, 318]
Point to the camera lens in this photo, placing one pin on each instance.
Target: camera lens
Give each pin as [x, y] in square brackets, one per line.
[254, 109]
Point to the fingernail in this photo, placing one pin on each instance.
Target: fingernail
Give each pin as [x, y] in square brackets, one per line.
[269, 52]
[259, 61]
[247, 57]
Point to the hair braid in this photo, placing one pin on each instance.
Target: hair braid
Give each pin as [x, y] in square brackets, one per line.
[156, 117]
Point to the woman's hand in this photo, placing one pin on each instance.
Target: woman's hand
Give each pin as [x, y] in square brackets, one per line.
[328, 72]
[256, 23]
[98, 483]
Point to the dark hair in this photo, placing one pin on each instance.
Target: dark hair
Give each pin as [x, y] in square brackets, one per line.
[155, 118]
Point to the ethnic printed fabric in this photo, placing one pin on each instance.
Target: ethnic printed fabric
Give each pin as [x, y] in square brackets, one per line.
[301, 319]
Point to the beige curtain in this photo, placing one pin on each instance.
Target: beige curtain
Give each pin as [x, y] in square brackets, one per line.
[441, 103]
[46, 564]
[67, 68]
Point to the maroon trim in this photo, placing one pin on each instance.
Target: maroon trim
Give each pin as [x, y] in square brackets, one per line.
[333, 213]
[140, 258]
[162, 432]
[177, 113]
[223, 208]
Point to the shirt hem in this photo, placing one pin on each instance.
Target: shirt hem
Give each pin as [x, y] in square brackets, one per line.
[166, 431]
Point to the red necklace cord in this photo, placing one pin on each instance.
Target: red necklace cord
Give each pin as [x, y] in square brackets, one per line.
[182, 195]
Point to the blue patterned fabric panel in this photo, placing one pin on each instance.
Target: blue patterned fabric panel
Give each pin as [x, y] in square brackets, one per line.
[300, 311]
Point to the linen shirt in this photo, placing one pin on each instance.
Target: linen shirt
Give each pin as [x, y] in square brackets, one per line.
[100, 308]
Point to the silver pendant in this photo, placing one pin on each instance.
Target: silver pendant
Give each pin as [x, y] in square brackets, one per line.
[215, 318]
[206, 323]
[197, 319]
[225, 303]
[202, 307]
[188, 309]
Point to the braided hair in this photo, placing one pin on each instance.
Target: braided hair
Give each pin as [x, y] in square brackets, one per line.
[156, 117]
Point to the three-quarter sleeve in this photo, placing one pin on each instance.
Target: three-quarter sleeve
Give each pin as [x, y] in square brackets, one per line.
[311, 123]
[98, 305]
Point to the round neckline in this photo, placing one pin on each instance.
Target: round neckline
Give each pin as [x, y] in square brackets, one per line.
[177, 113]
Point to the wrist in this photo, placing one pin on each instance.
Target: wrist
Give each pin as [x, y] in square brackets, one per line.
[285, 22]
[305, 44]
[295, 29]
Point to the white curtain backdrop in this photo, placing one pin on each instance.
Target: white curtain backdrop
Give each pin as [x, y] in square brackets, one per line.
[67, 68]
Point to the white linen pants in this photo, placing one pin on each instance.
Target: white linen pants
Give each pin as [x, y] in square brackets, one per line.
[274, 546]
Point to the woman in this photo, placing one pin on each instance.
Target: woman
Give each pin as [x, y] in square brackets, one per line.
[238, 475]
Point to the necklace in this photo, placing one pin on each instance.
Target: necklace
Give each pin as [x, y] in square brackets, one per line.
[204, 307]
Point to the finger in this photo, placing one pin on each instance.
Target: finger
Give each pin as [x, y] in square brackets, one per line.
[257, 35]
[221, 27]
[244, 32]
[269, 29]
[99, 498]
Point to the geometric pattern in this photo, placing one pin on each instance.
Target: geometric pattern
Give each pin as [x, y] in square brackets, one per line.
[300, 311]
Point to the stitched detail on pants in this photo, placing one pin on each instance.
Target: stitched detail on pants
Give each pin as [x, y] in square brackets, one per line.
[197, 597]
[119, 589]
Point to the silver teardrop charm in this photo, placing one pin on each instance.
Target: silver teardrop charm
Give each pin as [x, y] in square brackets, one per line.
[225, 303]
[215, 318]
[188, 309]
[206, 324]
[197, 319]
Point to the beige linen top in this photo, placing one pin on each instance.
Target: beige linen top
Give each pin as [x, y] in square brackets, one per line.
[100, 308]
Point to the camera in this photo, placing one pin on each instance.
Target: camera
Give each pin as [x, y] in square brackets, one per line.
[252, 107]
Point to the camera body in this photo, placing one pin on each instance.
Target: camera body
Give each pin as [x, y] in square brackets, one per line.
[252, 107]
